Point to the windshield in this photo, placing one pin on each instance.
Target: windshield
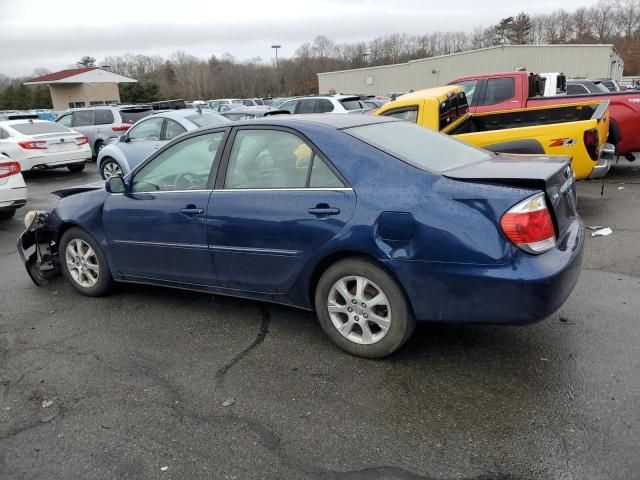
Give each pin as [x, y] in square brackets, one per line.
[39, 128]
[206, 119]
[419, 146]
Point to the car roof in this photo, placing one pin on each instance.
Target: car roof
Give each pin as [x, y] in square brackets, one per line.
[183, 113]
[335, 120]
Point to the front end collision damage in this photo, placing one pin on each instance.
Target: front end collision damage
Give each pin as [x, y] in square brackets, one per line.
[38, 250]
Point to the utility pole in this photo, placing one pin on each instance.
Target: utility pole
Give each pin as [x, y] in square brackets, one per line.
[276, 47]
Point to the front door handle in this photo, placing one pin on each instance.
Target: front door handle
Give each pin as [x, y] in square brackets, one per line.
[192, 210]
[323, 210]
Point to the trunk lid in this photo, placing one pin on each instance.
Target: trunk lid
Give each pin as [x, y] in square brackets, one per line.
[551, 174]
[59, 142]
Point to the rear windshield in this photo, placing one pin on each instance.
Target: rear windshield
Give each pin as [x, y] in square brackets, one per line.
[206, 119]
[39, 128]
[419, 146]
[351, 104]
[132, 116]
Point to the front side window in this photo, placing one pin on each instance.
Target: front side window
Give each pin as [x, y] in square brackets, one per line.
[103, 116]
[146, 131]
[289, 106]
[421, 147]
[184, 166]
[498, 90]
[469, 87]
[268, 159]
[83, 118]
[3, 134]
[409, 114]
[65, 120]
[172, 129]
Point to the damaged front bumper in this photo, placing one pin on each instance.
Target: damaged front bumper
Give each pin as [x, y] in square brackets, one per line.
[36, 247]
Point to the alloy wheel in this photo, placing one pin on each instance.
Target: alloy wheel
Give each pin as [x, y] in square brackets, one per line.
[359, 309]
[82, 263]
[111, 169]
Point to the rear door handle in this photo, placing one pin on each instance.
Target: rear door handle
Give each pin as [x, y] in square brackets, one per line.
[192, 210]
[324, 211]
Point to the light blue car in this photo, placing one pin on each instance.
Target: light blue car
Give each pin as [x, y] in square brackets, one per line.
[148, 135]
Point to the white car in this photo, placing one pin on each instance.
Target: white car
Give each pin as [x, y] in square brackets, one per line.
[224, 104]
[37, 144]
[13, 191]
[324, 104]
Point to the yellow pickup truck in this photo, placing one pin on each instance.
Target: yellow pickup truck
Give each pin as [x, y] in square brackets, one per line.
[578, 130]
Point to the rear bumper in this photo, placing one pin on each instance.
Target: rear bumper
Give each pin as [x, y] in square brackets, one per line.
[55, 160]
[527, 290]
[604, 162]
[13, 204]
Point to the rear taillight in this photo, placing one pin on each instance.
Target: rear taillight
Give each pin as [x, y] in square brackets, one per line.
[33, 145]
[82, 140]
[529, 225]
[121, 127]
[9, 168]
[592, 142]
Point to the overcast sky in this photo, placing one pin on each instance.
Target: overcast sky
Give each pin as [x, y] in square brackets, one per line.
[55, 33]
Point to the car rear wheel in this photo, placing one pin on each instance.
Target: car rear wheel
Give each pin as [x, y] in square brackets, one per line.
[7, 213]
[363, 309]
[84, 264]
[99, 145]
[110, 168]
[78, 167]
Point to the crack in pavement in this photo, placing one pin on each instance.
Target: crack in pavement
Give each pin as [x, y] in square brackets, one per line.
[262, 334]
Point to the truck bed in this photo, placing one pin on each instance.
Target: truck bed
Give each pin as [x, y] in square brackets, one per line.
[524, 118]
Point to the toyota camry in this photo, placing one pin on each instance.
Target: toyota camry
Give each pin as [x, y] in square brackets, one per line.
[373, 223]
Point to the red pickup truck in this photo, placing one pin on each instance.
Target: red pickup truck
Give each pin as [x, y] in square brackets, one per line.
[510, 90]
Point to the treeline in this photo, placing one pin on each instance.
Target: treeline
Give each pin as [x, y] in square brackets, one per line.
[182, 75]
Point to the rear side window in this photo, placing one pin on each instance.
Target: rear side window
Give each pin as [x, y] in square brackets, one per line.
[351, 104]
[39, 128]
[409, 114]
[132, 116]
[498, 90]
[172, 129]
[322, 176]
[418, 146]
[324, 106]
[83, 118]
[576, 89]
[103, 116]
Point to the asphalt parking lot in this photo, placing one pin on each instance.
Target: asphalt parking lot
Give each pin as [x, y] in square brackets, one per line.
[220, 388]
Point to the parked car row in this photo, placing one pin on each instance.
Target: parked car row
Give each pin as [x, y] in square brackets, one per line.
[259, 202]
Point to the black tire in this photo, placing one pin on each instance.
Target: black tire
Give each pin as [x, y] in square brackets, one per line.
[104, 282]
[106, 161]
[76, 167]
[6, 214]
[402, 321]
[97, 147]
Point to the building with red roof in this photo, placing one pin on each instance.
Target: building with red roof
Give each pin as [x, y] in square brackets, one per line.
[82, 87]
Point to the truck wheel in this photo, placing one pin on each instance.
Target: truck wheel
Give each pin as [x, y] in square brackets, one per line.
[84, 264]
[363, 309]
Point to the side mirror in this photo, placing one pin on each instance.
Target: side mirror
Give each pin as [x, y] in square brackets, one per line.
[123, 139]
[115, 185]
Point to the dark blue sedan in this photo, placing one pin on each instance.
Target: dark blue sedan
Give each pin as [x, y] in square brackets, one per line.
[372, 222]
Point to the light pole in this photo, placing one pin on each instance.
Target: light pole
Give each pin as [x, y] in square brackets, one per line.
[276, 47]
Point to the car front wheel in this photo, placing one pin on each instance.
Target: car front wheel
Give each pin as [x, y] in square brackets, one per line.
[363, 309]
[84, 264]
[110, 168]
